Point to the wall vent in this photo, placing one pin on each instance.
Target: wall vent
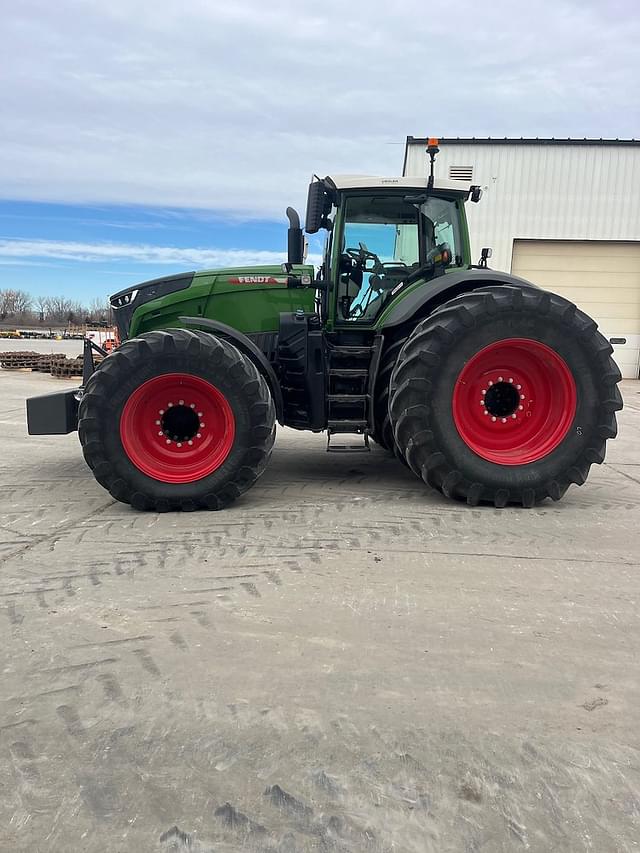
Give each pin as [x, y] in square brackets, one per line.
[461, 173]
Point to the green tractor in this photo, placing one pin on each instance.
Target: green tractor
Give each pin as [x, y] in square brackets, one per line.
[488, 388]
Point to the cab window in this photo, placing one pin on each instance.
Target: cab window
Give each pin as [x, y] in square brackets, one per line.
[442, 222]
[385, 239]
[381, 245]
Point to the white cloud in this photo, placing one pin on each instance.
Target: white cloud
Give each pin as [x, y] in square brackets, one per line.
[18, 251]
[232, 106]
[6, 262]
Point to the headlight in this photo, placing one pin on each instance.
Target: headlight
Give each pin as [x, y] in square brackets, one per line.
[124, 299]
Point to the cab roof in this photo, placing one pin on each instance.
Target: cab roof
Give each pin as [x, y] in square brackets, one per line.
[409, 182]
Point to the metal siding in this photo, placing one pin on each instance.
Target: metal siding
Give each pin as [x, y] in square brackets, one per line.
[543, 192]
[602, 278]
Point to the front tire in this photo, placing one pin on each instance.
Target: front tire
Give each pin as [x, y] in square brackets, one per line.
[505, 395]
[177, 420]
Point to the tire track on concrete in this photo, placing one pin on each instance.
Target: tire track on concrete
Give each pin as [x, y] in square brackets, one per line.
[57, 533]
[624, 474]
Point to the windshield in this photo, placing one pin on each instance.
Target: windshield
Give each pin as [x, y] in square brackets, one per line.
[385, 240]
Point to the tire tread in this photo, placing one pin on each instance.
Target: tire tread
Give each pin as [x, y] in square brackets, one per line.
[433, 339]
[198, 345]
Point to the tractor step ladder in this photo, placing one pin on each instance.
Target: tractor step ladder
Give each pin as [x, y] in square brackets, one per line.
[348, 448]
[349, 397]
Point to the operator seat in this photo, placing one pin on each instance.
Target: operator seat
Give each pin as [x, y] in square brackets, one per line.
[351, 278]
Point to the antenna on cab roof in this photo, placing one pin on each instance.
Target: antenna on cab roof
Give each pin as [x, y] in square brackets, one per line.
[432, 150]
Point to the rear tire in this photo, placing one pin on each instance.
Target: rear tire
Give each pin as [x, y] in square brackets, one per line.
[505, 395]
[202, 448]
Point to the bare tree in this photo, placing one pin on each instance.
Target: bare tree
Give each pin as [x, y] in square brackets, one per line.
[42, 307]
[77, 313]
[14, 303]
[22, 303]
[99, 309]
[6, 303]
[56, 309]
[59, 308]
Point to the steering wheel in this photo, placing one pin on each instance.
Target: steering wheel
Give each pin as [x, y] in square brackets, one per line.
[362, 254]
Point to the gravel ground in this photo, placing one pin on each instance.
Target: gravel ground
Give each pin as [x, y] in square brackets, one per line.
[343, 661]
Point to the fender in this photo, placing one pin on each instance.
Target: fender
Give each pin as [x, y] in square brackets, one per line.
[248, 348]
[443, 288]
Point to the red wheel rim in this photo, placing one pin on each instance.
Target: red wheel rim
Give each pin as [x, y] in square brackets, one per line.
[177, 428]
[514, 401]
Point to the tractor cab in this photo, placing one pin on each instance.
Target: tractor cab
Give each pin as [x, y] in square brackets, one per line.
[383, 236]
[386, 239]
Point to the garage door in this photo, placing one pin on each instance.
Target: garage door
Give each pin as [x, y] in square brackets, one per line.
[602, 278]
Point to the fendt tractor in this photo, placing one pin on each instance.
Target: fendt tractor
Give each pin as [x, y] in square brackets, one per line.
[488, 388]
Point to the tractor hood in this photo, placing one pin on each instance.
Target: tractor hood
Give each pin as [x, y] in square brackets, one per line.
[126, 302]
[249, 299]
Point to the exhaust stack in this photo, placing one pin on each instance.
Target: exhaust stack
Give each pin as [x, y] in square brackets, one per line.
[295, 240]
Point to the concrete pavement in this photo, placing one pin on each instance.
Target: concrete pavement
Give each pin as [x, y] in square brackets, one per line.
[344, 660]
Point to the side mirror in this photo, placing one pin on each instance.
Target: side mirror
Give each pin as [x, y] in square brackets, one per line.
[475, 194]
[318, 207]
[485, 254]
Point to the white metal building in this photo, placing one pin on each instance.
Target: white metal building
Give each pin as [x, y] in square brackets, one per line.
[563, 213]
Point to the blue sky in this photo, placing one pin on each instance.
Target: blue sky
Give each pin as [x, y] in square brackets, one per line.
[85, 251]
[140, 138]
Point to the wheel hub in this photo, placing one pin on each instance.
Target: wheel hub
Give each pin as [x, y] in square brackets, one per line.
[501, 398]
[180, 423]
[514, 401]
[177, 428]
